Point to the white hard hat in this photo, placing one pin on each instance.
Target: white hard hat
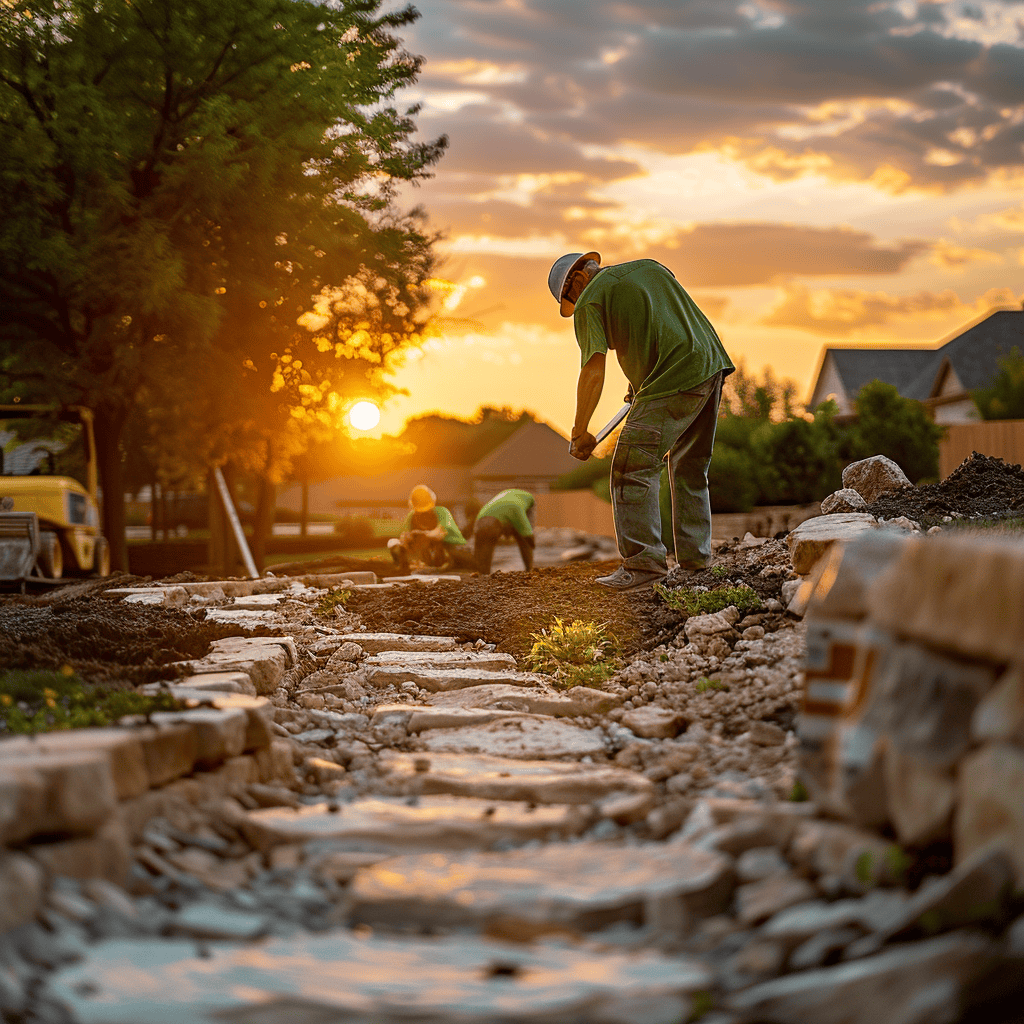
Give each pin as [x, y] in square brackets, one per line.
[559, 274]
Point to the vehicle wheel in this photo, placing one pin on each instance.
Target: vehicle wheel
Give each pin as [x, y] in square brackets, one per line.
[101, 558]
[51, 558]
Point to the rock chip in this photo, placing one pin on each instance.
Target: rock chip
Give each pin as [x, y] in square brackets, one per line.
[989, 804]
[873, 477]
[711, 625]
[844, 500]
[654, 722]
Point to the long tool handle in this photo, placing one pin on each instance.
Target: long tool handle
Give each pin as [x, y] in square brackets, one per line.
[229, 510]
[612, 423]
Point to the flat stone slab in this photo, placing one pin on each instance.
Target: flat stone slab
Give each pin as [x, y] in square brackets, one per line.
[375, 643]
[813, 537]
[256, 602]
[264, 659]
[490, 661]
[438, 680]
[519, 737]
[611, 791]
[218, 682]
[539, 700]
[239, 617]
[430, 823]
[339, 976]
[420, 719]
[585, 886]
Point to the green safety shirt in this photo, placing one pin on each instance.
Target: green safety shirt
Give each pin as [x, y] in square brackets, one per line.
[452, 533]
[663, 342]
[510, 507]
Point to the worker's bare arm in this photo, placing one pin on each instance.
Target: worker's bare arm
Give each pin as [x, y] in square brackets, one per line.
[588, 394]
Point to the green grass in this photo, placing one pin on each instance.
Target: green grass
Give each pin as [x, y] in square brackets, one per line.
[41, 701]
[701, 602]
[574, 654]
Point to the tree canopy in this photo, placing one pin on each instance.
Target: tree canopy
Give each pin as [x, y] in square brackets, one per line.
[182, 182]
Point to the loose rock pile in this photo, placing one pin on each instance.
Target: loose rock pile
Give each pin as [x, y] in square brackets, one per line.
[438, 834]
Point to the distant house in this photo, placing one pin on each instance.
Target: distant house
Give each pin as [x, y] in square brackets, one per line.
[532, 458]
[942, 378]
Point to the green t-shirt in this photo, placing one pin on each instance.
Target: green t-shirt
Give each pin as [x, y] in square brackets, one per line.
[663, 342]
[510, 507]
[452, 533]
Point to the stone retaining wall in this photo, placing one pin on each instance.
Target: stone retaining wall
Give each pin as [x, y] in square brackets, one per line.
[913, 715]
[73, 802]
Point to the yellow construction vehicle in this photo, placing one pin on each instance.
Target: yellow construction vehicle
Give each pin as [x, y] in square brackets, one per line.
[49, 508]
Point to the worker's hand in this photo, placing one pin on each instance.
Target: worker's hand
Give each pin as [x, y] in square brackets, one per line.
[628, 396]
[582, 446]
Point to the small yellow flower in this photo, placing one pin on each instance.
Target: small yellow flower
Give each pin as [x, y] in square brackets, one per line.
[50, 702]
[6, 700]
[66, 670]
[48, 693]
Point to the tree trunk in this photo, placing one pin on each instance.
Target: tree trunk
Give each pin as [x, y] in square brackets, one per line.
[261, 528]
[108, 425]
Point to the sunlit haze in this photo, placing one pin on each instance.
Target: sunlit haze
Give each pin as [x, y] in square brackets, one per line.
[813, 172]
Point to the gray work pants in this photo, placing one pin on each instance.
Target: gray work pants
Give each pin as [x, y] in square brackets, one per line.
[681, 428]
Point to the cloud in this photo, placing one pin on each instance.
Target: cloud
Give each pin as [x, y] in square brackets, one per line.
[921, 100]
[954, 257]
[839, 313]
[722, 255]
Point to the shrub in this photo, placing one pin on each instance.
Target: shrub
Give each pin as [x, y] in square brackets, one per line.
[575, 654]
[889, 424]
[355, 532]
[332, 600]
[1003, 399]
[796, 460]
[701, 602]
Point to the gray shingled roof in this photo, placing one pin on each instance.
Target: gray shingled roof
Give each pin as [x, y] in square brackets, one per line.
[898, 366]
[975, 354]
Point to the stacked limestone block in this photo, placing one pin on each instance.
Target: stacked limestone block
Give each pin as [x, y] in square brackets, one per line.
[73, 802]
[913, 714]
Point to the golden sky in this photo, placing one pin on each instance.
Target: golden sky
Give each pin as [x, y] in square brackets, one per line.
[813, 171]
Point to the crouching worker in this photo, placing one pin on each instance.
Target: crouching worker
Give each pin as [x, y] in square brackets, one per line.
[511, 513]
[430, 536]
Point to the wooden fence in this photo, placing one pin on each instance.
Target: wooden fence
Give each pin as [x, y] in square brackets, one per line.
[1002, 438]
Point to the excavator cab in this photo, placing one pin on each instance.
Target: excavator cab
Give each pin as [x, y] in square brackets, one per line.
[49, 506]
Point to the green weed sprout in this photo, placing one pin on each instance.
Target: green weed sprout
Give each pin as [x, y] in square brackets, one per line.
[574, 654]
[333, 600]
[704, 684]
[701, 602]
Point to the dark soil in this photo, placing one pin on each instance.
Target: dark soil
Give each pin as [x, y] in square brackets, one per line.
[507, 607]
[980, 486]
[104, 641]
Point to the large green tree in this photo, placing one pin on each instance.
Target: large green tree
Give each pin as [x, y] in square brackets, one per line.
[178, 181]
[1003, 399]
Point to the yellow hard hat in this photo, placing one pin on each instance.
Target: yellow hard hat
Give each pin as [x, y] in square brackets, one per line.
[422, 498]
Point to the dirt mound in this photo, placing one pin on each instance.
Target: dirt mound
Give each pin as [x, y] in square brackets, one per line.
[507, 607]
[980, 486]
[103, 641]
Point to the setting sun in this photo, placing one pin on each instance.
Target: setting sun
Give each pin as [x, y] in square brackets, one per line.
[364, 416]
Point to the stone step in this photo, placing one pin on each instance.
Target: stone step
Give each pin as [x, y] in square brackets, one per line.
[376, 643]
[419, 718]
[522, 893]
[520, 736]
[213, 682]
[489, 661]
[354, 977]
[265, 659]
[437, 680]
[397, 825]
[539, 700]
[613, 792]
